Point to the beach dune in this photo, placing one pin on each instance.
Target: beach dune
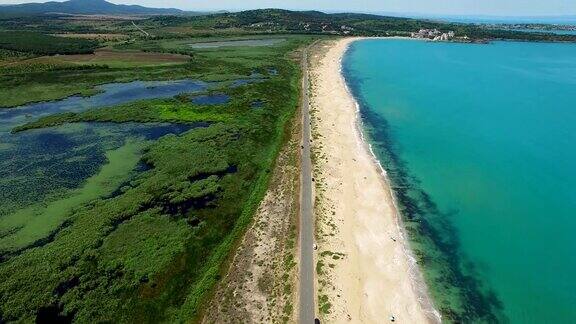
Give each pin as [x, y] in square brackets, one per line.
[373, 278]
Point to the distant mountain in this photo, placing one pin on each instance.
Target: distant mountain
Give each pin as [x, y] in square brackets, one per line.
[86, 7]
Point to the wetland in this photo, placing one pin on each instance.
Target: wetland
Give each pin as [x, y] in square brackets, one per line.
[124, 191]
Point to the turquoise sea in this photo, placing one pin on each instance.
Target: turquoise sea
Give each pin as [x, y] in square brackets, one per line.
[480, 144]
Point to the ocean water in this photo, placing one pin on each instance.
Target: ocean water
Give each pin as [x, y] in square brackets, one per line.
[552, 31]
[479, 142]
[557, 20]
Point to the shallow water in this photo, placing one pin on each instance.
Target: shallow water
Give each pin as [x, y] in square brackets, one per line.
[238, 43]
[210, 100]
[111, 94]
[479, 142]
[46, 173]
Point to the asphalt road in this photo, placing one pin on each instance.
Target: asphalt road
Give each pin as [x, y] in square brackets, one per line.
[307, 290]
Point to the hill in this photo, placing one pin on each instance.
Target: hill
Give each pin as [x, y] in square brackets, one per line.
[174, 23]
[351, 24]
[85, 7]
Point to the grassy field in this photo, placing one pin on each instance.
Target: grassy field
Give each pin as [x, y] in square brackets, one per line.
[58, 77]
[153, 251]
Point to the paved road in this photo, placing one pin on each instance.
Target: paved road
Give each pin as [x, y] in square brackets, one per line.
[307, 290]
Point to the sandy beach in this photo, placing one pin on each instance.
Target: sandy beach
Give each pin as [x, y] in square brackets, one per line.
[365, 270]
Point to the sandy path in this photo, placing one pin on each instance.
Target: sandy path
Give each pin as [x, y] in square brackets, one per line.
[366, 273]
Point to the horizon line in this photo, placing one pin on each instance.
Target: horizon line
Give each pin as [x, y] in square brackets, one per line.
[407, 14]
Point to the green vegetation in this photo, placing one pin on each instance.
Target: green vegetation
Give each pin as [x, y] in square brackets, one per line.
[31, 224]
[324, 304]
[10, 56]
[333, 255]
[153, 251]
[176, 110]
[314, 22]
[41, 44]
[320, 267]
[44, 166]
[87, 7]
[39, 83]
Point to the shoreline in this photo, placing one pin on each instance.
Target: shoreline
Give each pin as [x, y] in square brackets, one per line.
[416, 275]
[364, 237]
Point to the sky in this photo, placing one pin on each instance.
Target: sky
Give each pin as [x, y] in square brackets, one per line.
[427, 7]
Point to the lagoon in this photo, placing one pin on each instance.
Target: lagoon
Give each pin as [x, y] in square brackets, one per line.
[109, 95]
[46, 173]
[478, 141]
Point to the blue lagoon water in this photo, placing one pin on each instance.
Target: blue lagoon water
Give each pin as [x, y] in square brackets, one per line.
[479, 142]
[110, 94]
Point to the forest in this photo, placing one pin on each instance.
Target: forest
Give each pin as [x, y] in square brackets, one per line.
[42, 44]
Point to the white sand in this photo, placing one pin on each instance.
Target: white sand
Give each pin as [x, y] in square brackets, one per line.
[377, 278]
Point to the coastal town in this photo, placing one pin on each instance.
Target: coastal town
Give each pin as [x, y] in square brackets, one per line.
[433, 34]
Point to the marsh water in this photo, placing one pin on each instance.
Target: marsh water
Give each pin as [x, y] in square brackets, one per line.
[478, 141]
[46, 174]
[109, 95]
[210, 100]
